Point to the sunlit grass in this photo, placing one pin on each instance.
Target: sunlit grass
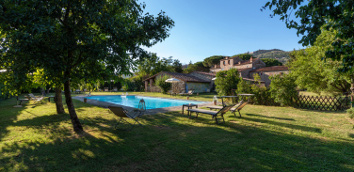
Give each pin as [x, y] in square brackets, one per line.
[35, 138]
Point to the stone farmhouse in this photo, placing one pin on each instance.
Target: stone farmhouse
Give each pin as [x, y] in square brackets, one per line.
[202, 81]
[247, 68]
[196, 81]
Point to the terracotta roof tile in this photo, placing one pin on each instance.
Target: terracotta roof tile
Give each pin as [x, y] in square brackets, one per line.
[248, 79]
[240, 70]
[205, 73]
[272, 68]
[180, 76]
[246, 62]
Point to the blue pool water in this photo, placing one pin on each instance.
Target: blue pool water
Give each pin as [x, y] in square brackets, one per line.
[151, 102]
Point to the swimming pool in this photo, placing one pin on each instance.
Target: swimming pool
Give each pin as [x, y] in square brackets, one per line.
[150, 102]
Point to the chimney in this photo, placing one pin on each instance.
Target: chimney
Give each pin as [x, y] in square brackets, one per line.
[251, 59]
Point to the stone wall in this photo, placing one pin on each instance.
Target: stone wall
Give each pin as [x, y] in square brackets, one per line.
[265, 75]
[243, 66]
[198, 87]
[215, 70]
[202, 76]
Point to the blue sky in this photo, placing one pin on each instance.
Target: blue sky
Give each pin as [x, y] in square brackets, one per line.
[219, 27]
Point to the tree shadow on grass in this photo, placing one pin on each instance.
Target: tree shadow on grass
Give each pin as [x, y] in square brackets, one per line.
[8, 114]
[171, 142]
[320, 111]
[287, 125]
[46, 120]
[271, 117]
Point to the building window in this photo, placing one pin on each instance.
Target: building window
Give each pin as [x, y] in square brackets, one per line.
[228, 62]
[224, 63]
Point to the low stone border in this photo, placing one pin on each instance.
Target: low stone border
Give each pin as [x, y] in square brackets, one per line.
[148, 111]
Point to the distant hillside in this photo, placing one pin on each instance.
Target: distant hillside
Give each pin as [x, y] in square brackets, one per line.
[280, 55]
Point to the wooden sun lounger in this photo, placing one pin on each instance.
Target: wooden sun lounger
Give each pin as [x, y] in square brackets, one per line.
[189, 93]
[237, 108]
[214, 114]
[36, 99]
[22, 100]
[122, 113]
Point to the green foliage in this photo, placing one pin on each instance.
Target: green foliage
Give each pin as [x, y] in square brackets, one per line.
[350, 112]
[317, 75]
[283, 89]
[261, 93]
[164, 86]
[177, 66]
[226, 81]
[212, 60]
[316, 15]
[133, 84]
[149, 66]
[274, 54]
[271, 62]
[243, 56]
[126, 87]
[198, 66]
[152, 64]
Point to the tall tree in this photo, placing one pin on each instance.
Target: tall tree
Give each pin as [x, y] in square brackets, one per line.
[226, 81]
[243, 56]
[64, 37]
[212, 60]
[198, 66]
[271, 62]
[315, 15]
[177, 66]
[153, 64]
[320, 75]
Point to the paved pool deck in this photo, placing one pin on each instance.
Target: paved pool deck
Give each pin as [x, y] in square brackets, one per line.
[148, 111]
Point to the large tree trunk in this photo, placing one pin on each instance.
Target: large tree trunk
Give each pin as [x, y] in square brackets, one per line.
[352, 94]
[58, 100]
[69, 102]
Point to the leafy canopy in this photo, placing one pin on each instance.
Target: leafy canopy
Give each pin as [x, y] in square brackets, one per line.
[212, 60]
[198, 66]
[243, 56]
[226, 81]
[315, 14]
[271, 62]
[162, 84]
[76, 40]
[315, 74]
[153, 64]
[283, 89]
[63, 37]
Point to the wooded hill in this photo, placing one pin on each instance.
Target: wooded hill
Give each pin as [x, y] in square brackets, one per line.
[280, 55]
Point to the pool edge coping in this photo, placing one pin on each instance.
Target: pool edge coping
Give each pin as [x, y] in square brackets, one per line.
[148, 111]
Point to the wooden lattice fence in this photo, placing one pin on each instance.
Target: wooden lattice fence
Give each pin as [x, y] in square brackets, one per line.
[322, 103]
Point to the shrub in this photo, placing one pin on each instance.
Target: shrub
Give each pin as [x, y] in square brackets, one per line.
[131, 84]
[283, 89]
[350, 112]
[164, 86]
[226, 81]
[261, 96]
[125, 87]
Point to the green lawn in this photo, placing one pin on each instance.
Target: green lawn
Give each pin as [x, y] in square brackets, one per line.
[266, 138]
